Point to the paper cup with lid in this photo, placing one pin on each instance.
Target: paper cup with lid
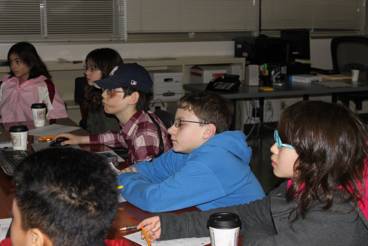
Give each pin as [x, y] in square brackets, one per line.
[39, 114]
[19, 136]
[224, 229]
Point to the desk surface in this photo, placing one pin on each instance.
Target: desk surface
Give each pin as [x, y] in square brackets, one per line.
[287, 89]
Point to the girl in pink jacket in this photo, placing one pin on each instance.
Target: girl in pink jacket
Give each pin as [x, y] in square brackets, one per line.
[28, 82]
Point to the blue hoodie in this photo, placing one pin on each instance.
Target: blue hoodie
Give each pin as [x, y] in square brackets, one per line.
[217, 174]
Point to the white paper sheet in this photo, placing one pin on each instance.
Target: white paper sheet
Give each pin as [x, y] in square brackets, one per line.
[6, 144]
[4, 226]
[52, 130]
[136, 237]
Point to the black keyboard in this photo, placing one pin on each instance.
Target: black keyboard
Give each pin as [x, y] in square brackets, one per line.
[9, 159]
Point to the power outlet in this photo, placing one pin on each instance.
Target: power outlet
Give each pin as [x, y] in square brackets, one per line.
[268, 106]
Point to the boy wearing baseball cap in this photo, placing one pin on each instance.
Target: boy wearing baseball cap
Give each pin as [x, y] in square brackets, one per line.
[125, 94]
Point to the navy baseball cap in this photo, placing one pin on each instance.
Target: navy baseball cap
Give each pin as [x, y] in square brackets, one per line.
[127, 74]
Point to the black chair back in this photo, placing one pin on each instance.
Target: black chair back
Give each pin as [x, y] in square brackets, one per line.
[350, 52]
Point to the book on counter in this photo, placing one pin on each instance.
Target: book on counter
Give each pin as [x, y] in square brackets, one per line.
[334, 77]
[305, 78]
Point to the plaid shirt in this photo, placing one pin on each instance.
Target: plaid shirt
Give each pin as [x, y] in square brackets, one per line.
[139, 135]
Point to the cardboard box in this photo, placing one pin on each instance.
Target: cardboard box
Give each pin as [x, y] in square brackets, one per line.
[203, 74]
[167, 85]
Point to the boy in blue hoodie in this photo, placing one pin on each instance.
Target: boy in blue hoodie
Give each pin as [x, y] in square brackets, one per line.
[208, 166]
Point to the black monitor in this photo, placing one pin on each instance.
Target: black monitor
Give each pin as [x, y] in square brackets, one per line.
[297, 44]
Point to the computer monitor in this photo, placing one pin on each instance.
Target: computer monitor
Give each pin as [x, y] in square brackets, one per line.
[297, 44]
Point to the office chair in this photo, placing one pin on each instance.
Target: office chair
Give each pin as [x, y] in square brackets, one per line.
[165, 117]
[347, 53]
[79, 95]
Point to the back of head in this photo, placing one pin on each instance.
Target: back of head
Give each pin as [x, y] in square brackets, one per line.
[209, 107]
[69, 194]
[331, 143]
[28, 54]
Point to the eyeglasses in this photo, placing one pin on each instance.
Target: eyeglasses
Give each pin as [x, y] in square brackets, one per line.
[279, 142]
[110, 91]
[90, 69]
[178, 122]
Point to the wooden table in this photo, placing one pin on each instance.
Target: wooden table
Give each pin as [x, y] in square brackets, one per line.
[128, 215]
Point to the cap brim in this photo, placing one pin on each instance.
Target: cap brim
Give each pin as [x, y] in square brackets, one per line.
[107, 84]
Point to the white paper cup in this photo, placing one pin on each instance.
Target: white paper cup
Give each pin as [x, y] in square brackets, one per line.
[355, 75]
[19, 136]
[224, 237]
[39, 114]
[224, 229]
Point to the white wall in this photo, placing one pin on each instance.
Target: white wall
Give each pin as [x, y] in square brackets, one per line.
[320, 50]
[51, 52]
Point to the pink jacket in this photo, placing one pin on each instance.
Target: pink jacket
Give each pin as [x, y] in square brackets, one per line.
[16, 100]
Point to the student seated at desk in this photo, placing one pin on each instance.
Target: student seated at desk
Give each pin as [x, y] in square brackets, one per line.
[322, 149]
[28, 82]
[126, 95]
[207, 167]
[63, 197]
[99, 63]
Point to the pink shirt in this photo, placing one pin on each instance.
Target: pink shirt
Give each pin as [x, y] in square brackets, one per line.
[16, 99]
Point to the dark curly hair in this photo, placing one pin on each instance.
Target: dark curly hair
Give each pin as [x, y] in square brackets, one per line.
[209, 107]
[331, 142]
[105, 59]
[68, 194]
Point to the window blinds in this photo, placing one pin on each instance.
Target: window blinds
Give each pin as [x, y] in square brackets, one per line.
[173, 16]
[69, 20]
[313, 14]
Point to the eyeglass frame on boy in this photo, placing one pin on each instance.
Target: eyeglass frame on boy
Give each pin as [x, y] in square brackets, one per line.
[178, 125]
[110, 91]
[279, 142]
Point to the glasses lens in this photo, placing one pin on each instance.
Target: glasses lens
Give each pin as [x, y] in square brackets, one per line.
[177, 123]
[107, 91]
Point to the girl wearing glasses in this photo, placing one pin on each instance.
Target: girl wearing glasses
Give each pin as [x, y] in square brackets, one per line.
[321, 150]
[99, 63]
[28, 82]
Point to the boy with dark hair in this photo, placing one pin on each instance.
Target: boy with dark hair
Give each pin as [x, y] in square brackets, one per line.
[126, 95]
[64, 196]
[207, 166]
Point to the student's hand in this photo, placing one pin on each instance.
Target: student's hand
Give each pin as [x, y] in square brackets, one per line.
[73, 139]
[152, 228]
[128, 169]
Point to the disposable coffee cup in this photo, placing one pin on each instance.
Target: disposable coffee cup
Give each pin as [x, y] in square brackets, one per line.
[355, 75]
[39, 114]
[224, 229]
[19, 137]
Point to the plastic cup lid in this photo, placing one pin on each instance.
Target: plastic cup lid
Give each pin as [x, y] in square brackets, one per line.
[20, 128]
[224, 220]
[38, 105]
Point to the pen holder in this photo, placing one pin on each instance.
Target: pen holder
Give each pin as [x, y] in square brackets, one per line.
[267, 80]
